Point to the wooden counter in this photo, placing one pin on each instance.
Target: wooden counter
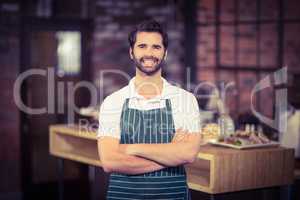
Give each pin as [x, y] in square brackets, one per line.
[220, 170]
[216, 169]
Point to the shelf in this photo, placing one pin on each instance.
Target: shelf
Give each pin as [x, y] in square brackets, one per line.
[78, 147]
[198, 175]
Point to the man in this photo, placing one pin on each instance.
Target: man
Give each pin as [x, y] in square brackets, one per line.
[137, 141]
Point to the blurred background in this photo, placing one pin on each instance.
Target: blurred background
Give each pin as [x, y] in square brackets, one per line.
[215, 42]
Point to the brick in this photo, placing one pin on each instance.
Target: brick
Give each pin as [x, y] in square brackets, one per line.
[227, 11]
[227, 44]
[268, 45]
[205, 74]
[247, 81]
[206, 46]
[206, 12]
[292, 9]
[292, 46]
[247, 45]
[269, 10]
[247, 10]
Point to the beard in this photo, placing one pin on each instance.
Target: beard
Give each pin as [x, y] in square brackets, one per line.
[148, 70]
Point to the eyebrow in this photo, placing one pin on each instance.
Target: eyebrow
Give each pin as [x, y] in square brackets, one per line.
[154, 45]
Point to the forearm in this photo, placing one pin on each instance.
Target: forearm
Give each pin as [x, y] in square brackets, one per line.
[169, 154]
[177, 152]
[128, 164]
[133, 165]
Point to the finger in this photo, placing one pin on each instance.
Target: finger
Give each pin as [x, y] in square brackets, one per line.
[178, 130]
[179, 136]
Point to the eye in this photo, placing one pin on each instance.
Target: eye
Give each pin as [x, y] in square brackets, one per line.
[156, 46]
[141, 46]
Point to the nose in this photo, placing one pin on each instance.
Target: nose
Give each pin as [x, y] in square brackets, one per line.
[149, 51]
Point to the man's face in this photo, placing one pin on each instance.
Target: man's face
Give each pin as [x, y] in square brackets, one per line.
[148, 52]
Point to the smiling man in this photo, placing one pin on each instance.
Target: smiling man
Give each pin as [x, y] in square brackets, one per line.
[148, 129]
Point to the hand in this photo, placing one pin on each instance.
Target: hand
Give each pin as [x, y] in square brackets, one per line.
[180, 136]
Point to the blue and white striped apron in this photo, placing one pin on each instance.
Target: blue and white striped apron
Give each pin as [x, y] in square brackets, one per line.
[149, 126]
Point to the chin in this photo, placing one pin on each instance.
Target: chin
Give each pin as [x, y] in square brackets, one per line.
[148, 67]
[148, 70]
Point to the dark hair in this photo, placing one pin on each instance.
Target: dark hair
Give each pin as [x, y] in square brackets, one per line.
[148, 26]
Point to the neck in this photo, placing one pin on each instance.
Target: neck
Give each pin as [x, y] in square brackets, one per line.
[148, 86]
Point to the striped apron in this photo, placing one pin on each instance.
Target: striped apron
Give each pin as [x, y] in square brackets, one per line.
[149, 126]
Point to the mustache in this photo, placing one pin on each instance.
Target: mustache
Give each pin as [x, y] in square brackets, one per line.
[149, 57]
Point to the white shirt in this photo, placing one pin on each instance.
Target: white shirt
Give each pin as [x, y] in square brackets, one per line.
[185, 109]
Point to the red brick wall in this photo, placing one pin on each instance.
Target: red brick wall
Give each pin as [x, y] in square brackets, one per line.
[245, 56]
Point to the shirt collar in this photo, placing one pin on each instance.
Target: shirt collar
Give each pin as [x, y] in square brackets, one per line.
[133, 93]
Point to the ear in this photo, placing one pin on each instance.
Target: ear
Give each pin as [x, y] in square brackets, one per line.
[166, 54]
[130, 53]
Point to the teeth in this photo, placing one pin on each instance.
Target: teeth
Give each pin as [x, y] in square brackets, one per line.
[148, 61]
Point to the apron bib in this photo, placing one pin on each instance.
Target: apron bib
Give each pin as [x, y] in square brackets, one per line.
[149, 126]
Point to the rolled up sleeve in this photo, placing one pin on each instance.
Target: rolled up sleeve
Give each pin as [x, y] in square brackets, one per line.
[109, 118]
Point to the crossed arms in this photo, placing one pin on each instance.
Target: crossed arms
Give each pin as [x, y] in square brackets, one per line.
[143, 158]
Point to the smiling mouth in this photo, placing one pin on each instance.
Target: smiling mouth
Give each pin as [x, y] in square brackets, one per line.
[149, 61]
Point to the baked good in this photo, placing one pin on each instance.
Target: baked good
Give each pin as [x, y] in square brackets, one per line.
[211, 131]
